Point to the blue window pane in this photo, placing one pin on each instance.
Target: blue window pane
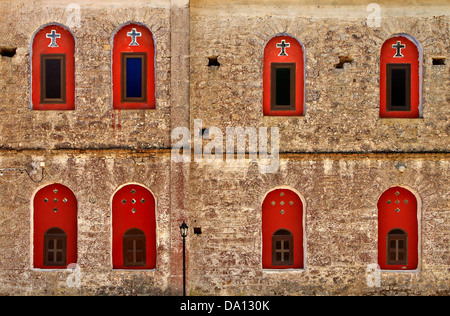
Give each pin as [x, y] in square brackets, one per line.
[134, 77]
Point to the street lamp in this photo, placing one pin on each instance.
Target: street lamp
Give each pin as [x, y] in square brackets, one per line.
[184, 231]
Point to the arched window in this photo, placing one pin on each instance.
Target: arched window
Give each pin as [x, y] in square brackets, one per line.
[283, 230]
[283, 77]
[282, 248]
[55, 247]
[397, 247]
[134, 248]
[134, 228]
[398, 232]
[54, 227]
[133, 67]
[53, 69]
[401, 77]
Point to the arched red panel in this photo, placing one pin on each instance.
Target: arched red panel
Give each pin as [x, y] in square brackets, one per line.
[283, 49]
[54, 206]
[397, 210]
[133, 38]
[282, 209]
[134, 206]
[401, 50]
[57, 41]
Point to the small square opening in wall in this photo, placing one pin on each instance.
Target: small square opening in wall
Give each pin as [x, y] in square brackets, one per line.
[197, 230]
[343, 60]
[213, 61]
[7, 51]
[438, 60]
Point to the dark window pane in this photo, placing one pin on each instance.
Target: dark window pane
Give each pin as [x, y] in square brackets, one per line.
[59, 244]
[278, 245]
[53, 73]
[286, 256]
[134, 77]
[50, 257]
[392, 256]
[398, 97]
[283, 86]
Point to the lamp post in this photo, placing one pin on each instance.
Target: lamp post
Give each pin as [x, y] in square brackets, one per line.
[184, 232]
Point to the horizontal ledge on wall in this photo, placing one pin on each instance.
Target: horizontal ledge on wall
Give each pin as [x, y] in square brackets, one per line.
[400, 121]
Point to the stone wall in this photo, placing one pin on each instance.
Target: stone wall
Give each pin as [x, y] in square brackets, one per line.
[341, 194]
[93, 124]
[92, 150]
[342, 105]
[340, 156]
[93, 178]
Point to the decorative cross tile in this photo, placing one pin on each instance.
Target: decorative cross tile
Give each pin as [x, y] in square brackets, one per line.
[53, 35]
[133, 34]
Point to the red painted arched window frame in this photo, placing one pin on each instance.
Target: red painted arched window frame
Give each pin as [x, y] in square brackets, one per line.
[283, 77]
[133, 67]
[398, 230]
[53, 69]
[134, 210]
[54, 227]
[282, 224]
[401, 78]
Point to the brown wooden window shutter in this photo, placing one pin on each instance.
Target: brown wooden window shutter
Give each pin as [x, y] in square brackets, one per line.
[55, 247]
[282, 248]
[397, 247]
[134, 251]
